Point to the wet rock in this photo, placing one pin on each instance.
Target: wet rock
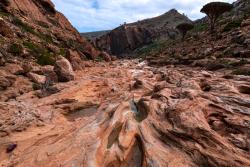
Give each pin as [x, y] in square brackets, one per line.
[64, 70]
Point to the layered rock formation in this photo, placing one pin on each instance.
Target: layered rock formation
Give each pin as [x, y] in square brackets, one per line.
[128, 37]
[130, 114]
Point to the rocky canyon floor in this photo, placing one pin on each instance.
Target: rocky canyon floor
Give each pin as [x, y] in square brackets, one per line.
[128, 114]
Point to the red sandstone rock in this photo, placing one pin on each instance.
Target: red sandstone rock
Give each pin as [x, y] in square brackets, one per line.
[39, 79]
[64, 70]
[106, 56]
[75, 60]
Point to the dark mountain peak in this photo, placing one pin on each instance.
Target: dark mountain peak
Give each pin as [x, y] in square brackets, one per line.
[172, 11]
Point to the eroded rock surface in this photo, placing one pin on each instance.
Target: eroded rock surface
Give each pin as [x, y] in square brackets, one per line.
[100, 119]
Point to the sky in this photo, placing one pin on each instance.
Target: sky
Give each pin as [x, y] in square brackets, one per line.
[96, 15]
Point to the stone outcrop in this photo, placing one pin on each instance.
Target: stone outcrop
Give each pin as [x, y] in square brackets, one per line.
[64, 70]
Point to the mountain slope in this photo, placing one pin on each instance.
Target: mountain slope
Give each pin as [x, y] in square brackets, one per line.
[227, 48]
[128, 37]
[93, 35]
[36, 23]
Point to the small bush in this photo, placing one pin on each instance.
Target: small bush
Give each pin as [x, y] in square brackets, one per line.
[99, 59]
[199, 27]
[45, 37]
[184, 28]
[3, 13]
[62, 52]
[31, 46]
[16, 49]
[25, 27]
[44, 57]
[231, 25]
[154, 48]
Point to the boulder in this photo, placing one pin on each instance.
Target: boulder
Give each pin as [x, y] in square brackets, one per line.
[6, 80]
[106, 56]
[39, 79]
[64, 70]
[75, 60]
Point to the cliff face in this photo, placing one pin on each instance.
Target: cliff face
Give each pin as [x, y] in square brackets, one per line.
[34, 24]
[128, 37]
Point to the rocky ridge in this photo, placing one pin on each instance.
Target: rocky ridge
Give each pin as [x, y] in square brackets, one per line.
[227, 48]
[129, 37]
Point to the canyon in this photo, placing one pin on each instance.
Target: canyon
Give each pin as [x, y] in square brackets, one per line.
[169, 102]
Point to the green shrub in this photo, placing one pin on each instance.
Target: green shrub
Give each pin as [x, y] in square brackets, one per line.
[99, 59]
[3, 13]
[44, 57]
[45, 37]
[31, 46]
[62, 52]
[154, 48]
[25, 27]
[231, 25]
[16, 49]
[199, 27]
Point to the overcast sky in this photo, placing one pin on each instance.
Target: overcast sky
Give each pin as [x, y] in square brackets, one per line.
[95, 15]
